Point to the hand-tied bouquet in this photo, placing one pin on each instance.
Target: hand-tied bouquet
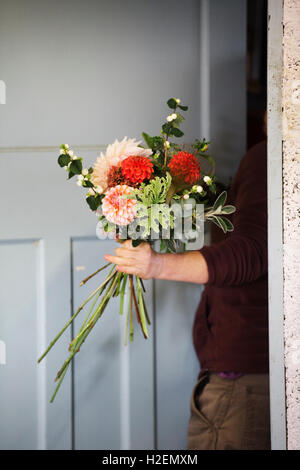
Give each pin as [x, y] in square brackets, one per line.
[132, 189]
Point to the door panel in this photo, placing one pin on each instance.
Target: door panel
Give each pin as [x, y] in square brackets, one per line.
[19, 330]
[70, 78]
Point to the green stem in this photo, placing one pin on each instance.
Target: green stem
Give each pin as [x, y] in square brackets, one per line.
[127, 318]
[85, 332]
[90, 323]
[94, 274]
[131, 319]
[123, 293]
[73, 318]
[58, 385]
[141, 305]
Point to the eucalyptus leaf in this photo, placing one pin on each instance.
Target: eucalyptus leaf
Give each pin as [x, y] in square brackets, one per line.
[228, 209]
[220, 201]
[229, 225]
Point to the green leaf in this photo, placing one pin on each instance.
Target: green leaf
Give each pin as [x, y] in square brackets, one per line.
[71, 174]
[184, 108]
[176, 132]
[155, 191]
[163, 245]
[219, 222]
[220, 201]
[229, 225]
[136, 243]
[76, 167]
[63, 160]
[172, 103]
[148, 139]
[94, 202]
[166, 128]
[87, 184]
[228, 209]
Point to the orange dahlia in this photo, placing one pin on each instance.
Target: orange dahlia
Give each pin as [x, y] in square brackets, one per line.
[136, 169]
[116, 208]
[185, 167]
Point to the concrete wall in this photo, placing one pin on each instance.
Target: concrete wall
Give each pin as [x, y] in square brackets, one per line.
[291, 215]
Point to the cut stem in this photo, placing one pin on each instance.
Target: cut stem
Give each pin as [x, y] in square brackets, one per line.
[94, 274]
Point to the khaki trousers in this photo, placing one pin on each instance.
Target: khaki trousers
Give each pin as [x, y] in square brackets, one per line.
[230, 414]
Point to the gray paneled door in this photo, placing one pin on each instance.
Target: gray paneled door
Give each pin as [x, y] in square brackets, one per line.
[70, 78]
[82, 72]
[119, 397]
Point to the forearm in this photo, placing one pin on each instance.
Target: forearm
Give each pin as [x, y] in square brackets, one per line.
[142, 261]
[187, 267]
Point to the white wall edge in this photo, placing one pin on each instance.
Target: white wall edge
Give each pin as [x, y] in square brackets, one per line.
[275, 227]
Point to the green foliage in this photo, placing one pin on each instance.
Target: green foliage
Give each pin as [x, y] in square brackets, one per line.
[216, 213]
[172, 103]
[64, 160]
[176, 132]
[76, 166]
[94, 201]
[220, 201]
[155, 191]
[184, 108]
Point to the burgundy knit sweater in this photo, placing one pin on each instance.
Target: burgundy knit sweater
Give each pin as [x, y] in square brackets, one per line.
[231, 324]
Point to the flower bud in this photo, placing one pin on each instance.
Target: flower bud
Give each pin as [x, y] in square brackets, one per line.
[99, 189]
[207, 180]
[177, 100]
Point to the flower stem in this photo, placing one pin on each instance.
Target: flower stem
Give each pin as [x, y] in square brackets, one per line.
[141, 304]
[73, 318]
[77, 342]
[94, 274]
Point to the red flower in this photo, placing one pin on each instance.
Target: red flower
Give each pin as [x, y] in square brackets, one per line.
[185, 167]
[115, 176]
[136, 169]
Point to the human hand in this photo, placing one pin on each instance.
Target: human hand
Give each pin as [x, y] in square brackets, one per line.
[140, 261]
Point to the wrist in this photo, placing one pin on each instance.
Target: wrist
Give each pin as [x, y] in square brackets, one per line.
[157, 263]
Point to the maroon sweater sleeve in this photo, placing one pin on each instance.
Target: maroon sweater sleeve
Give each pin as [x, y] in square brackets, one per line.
[242, 256]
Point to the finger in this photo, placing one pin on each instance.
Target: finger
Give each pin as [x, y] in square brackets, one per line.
[123, 252]
[127, 269]
[128, 244]
[118, 260]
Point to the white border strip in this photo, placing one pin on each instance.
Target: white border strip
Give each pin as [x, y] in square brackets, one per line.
[204, 72]
[275, 224]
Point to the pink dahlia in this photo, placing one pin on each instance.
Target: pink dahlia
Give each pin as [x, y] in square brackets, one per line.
[116, 208]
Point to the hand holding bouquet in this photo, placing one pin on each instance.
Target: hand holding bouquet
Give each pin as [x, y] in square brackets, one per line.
[150, 193]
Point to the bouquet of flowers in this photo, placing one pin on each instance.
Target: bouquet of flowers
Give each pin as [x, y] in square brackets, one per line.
[141, 193]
